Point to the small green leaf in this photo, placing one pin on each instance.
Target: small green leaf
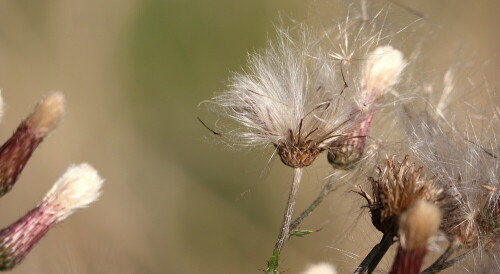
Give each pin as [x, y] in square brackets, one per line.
[300, 233]
[273, 263]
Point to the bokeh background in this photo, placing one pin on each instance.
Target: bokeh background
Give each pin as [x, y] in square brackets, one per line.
[176, 201]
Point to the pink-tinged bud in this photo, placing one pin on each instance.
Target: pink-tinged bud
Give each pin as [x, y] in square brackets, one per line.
[76, 188]
[416, 226]
[349, 150]
[16, 152]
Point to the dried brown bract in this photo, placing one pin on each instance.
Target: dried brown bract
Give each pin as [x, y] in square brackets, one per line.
[397, 186]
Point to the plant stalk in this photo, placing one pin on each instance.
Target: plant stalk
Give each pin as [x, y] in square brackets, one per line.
[287, 217]
[327, 188]
[375, 256]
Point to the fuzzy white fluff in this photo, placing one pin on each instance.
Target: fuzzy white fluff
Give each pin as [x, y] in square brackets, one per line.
[320, 268]
[289, 86]
[465, 162]
[48, 113]
[380, 72]
[418, 224]
[79, 186]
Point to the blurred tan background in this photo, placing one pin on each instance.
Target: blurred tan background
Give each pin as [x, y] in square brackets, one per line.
[175, 201]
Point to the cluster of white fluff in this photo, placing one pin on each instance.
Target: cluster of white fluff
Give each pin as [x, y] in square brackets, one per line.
[465, 162]
[78, 187]
[289, 86]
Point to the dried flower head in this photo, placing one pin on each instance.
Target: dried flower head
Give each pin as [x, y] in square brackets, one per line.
[16, 152]
[78, 187]
[416, 227]
[397, 187]
[289, 98]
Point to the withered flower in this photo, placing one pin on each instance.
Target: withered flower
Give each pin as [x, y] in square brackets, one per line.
[397, 187]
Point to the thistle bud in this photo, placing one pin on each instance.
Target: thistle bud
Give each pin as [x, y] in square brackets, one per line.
[16, 152]
[416, 226]
[380, 72]
[78, 187]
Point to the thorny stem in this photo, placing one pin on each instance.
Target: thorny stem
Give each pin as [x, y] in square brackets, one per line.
[375, 256]
[287, 217]
[327, 188]
[442, 262]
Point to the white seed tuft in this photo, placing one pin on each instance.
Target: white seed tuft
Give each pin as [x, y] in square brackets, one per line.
[320, 268]
[418, 224]
[47, 114]
[380, 72]
[289, 97]
[79, 186]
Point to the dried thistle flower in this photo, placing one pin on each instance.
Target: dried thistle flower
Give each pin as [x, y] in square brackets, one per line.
[16, 152]
[78, 187]
[416, 226]
[397, 187]
[288, 98]
[380, 72]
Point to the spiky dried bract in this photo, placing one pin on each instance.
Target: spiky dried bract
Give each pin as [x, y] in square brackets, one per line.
[320, 268]
[397, 187]
[76, 188]
[47, 114]
[16, 152]
[380, 72]
[290, 98]
[79, 186]
[416, 227]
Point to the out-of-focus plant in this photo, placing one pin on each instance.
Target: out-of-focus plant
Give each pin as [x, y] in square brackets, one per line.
[79, 186]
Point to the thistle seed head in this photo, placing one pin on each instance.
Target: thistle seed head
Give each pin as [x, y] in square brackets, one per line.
[16, 152]
[76, 188]
[47, 114]
[395, 188]
[380, 72]
[288, 98]
[416, 226]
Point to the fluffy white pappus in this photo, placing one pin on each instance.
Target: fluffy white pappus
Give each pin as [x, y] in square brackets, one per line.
[320, 268]
[418, 224]
[289, 95]
[79, 186]
[380, 72]
[467, 167]
[48, 113]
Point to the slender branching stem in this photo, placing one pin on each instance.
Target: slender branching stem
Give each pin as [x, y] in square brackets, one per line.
[327, 188]
[287, 217]
[375, 256]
